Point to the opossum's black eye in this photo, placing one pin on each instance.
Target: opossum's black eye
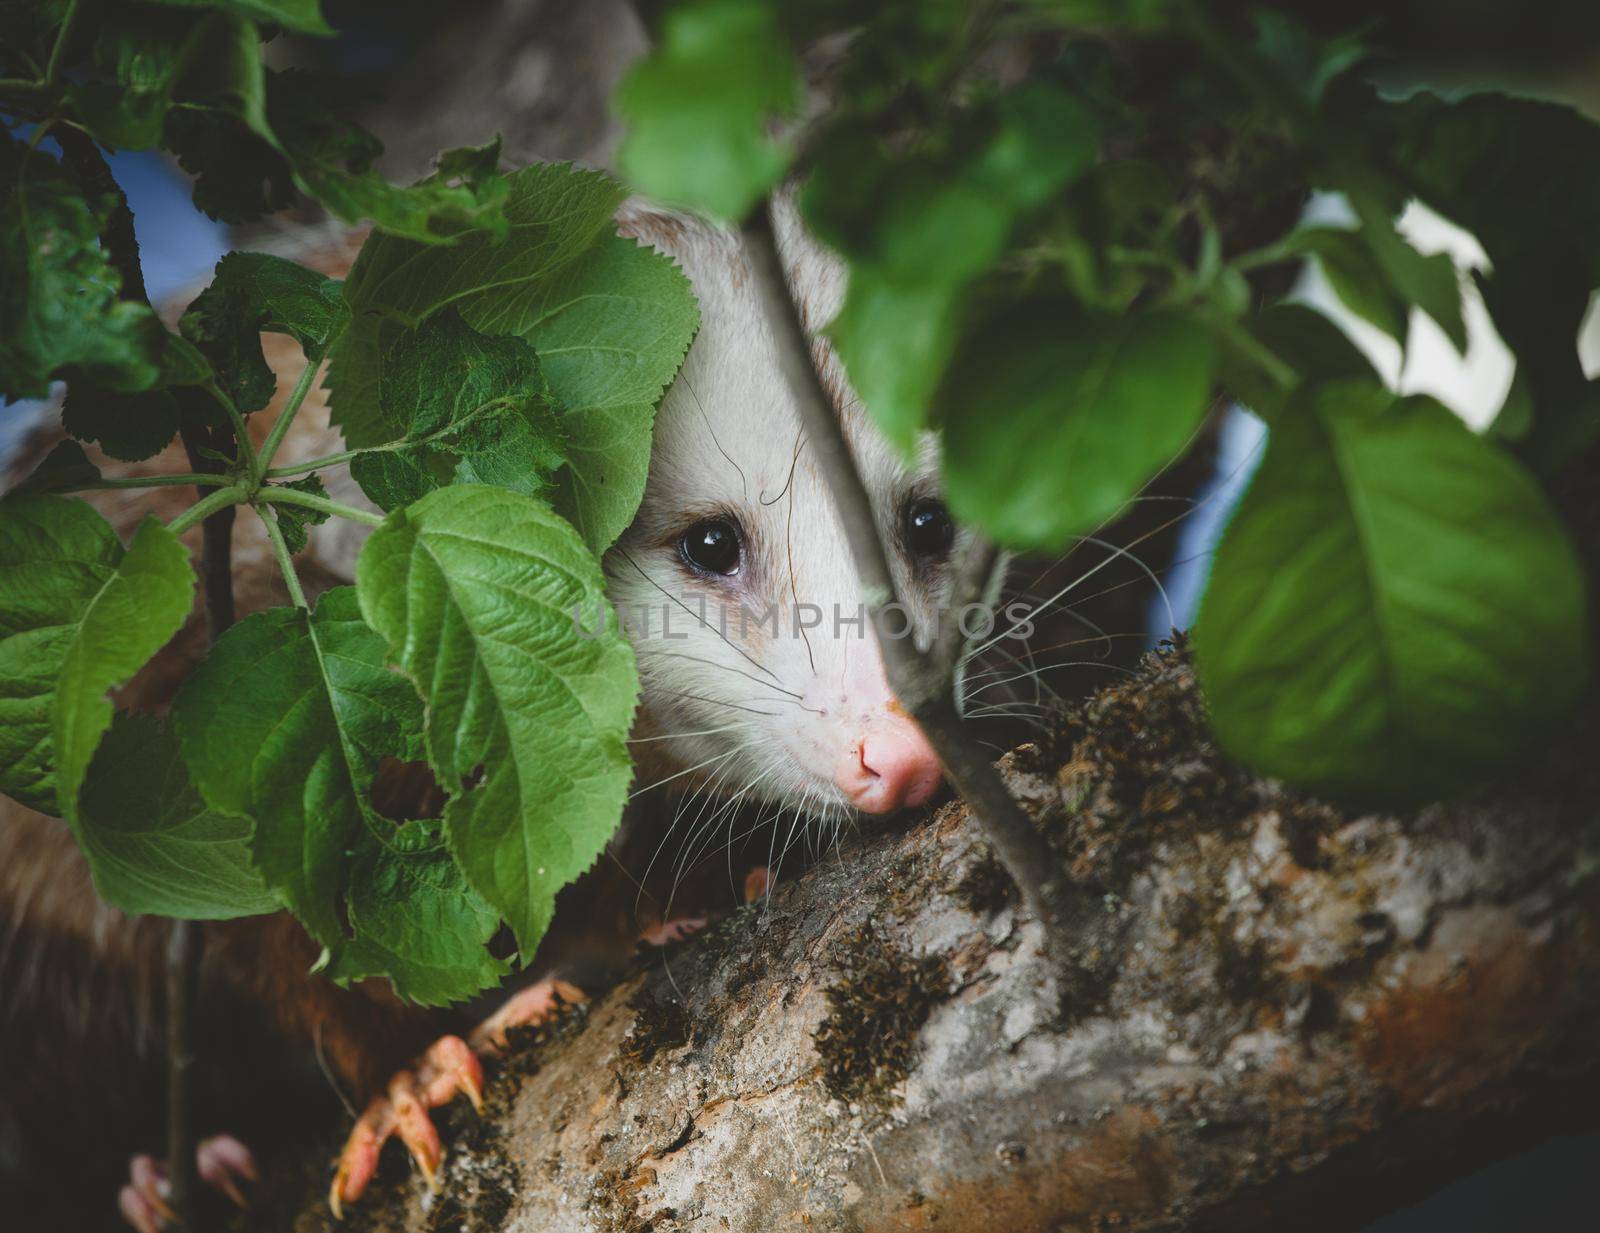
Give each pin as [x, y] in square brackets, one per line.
[712, 546]
[929, 531]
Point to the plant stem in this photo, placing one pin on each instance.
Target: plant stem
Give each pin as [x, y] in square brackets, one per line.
[280, 549]
[302, 387]
[221, 499]
[197, 478]
[290, 496]
[921, 685]
[317, 464]
[52, 72]
[182, 969]
[241, 432]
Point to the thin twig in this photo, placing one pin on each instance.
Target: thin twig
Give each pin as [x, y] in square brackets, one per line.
[292, 496]
[212, 503]
[280, 549]
[922, 688]
[969, 585]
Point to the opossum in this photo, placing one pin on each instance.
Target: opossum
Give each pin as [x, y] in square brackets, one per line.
[762, 682]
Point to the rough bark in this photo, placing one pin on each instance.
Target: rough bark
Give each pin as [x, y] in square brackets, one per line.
[1297, 1012]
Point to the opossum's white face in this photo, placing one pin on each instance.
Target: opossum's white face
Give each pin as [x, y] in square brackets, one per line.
[761, 676]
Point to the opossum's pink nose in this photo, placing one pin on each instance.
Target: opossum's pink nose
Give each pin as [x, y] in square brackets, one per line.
[892, 767]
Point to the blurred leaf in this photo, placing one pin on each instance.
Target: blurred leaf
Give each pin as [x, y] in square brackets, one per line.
[1395, 610]
[60, 308]
[64, 468]
[918, 230]
[152, 845]
[1310, 62]
[301, 16]
[1053, 421]
[700, 108]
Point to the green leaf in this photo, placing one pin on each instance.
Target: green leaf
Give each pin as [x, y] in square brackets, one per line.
[476, 409]
[1309, 63]
[1429, 282]
[332, 162]
[284, 722]
[152, 845]
[919, 229]
[417, 922]
[301, 16]
[64, 468]
[701, 106]
[476, 590]
[129, 427]
[1518, 175]
[60, 307]
[1356, 277]
[1395, 610]
[78, 616]
[1053, 421]
[294, 519]
[252, 292]
[610, 321]
[1302, 338]
[131, 616]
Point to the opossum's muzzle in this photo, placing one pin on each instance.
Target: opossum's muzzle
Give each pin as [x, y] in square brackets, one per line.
[891, 767]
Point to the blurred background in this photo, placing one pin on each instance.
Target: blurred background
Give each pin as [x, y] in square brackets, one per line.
[541, 73]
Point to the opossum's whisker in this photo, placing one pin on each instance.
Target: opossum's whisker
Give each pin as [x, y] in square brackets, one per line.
[680, 774]
[679, 693]
[626, 556]
[673, 736]
[700, 659]
[788, 535]
[744, 483]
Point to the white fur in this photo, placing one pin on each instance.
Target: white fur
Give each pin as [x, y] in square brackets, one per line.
[749, 711]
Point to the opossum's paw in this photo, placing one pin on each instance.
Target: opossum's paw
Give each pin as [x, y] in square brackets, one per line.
[757, 882]
[222, 1163]
[665, 933]
[447, 1069]
[538, 1003]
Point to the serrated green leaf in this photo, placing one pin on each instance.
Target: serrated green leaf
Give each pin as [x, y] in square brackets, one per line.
[64, 468]
[284, 722]
[417, 922]
[301, 16]
[610, 321]
[476, 590]
[78, 615]
[255, 292]
[152, 845]
[130, 616]
[1395, 610]
[294, 519]
[475, 409]
[918, 229]
[1052, 422]
[129, 427]
[60, 305]
[700, 108]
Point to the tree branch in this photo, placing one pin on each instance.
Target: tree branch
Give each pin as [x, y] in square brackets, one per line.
[923, 686]
[1294, 1016]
